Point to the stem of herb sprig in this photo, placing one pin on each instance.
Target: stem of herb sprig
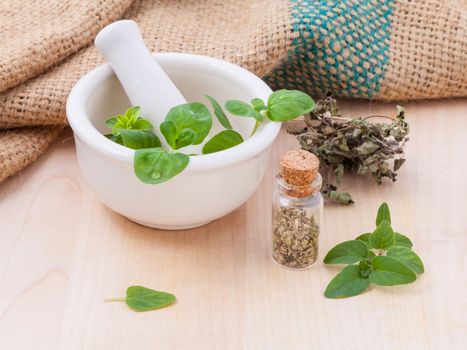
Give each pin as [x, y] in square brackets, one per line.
[378, 116]
[345, 119]
[120, 299]
[257, 124]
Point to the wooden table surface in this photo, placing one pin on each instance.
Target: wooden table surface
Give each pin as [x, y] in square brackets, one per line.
[62, 252]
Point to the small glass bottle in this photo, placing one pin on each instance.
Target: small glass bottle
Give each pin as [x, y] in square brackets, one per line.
[297, 210]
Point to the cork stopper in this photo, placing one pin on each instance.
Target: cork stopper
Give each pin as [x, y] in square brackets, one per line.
[299, 169]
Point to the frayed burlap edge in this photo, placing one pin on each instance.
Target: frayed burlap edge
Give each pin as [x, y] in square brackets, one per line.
[20, 147]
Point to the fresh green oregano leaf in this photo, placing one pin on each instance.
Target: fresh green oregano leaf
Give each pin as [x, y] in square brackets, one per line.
[407, 257]
[284, 105]
[383, 237]
[243, 109]
[144, 299]
[142, 124]
[347, 252]
[383, 214]
[365, 237]
[403, 241]
[365, 268]
[137, 139]
[129, 121]
[388, 271]
[258, 104]
[219, 113]
[169, 131]
[140, 298]
[186, 124]
[347, 283]
[154, 165]
[111, 122]
[116, 139]
[223, 140]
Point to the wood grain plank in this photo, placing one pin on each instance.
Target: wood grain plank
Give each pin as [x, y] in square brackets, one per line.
[62, 252]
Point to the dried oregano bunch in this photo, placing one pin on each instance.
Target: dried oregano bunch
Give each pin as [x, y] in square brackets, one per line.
[356, 145]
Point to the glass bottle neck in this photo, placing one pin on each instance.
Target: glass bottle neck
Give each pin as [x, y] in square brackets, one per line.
[299, 192]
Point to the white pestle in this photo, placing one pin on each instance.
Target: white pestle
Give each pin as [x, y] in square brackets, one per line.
[143, 79]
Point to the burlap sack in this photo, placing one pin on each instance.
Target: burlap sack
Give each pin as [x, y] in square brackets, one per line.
[373, 49]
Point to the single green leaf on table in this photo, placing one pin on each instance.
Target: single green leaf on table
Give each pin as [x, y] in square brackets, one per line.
[137, 139]
[144, 299]
[186, 124]
[347, 283]
[219, 113]
[347, 252]
[383, 237]
[243, 109]
[223, 140]
[383, 214]
[284, 105]
[403, 241]
[258, 104]
[388, 271]
[154, 165]
[140, 298]
[407, 257]
[365, 237]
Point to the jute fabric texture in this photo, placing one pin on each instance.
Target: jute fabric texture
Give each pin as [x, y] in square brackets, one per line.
[385, 49]
[380, 49]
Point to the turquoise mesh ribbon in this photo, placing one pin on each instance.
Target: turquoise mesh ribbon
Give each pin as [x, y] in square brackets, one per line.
[338, 46]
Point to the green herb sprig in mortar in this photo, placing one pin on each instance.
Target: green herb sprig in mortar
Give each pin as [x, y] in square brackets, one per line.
[353, 145]
[382, 257]
[189, 124]
[140, 298]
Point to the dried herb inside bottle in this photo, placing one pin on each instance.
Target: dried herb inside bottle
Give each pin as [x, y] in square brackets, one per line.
[295, 238]
[357, 145]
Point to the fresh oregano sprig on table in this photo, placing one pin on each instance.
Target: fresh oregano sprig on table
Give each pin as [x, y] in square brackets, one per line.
[356, 145]
[382, 257]
[189, 124]
[139, 298]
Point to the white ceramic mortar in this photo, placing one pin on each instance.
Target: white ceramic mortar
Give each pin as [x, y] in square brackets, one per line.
[211, 186]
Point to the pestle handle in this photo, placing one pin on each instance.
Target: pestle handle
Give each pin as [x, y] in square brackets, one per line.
[144, 81]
